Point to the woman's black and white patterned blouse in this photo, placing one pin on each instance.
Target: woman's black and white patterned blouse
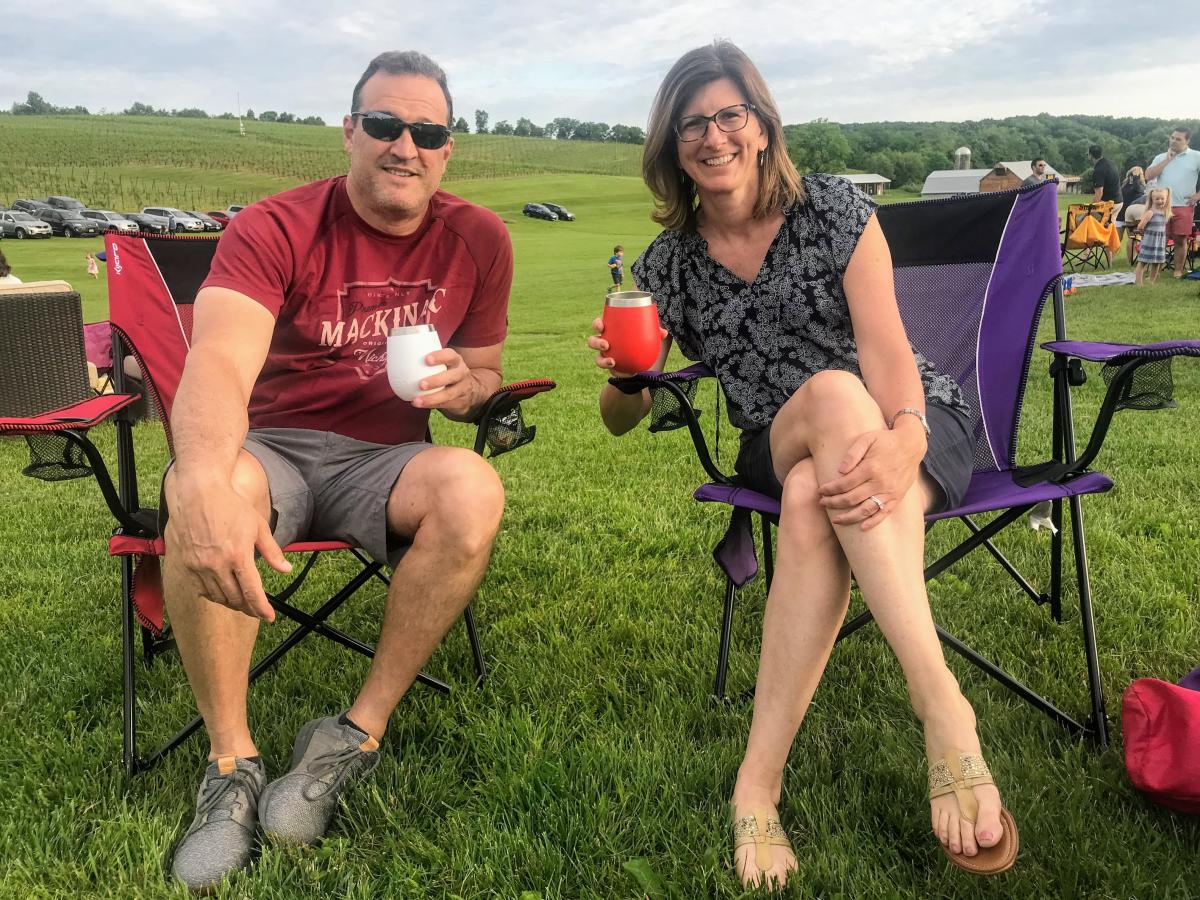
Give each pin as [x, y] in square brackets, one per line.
[767, 338]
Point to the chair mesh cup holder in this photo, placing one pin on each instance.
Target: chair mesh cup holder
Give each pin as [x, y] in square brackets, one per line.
[666, 413]
[508, 431]
[54, 457]
[1152, 385]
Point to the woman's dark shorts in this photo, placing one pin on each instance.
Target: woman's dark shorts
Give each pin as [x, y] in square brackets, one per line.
[949, 459]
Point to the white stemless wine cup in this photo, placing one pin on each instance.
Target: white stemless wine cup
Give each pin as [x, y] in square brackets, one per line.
[407, 348]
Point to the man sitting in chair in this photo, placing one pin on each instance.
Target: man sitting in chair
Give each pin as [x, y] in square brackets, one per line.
[285, 427]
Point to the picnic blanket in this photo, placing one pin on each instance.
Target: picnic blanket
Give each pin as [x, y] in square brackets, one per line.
[1104, 280]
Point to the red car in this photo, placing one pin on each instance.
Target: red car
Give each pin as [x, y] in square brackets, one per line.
[222, 217]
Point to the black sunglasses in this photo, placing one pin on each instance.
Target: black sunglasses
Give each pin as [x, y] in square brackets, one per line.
[386, 127]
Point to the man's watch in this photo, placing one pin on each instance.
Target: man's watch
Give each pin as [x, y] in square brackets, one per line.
[910, 411]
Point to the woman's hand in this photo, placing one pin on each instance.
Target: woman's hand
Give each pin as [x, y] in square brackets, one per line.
[880, 464]
[600, 345]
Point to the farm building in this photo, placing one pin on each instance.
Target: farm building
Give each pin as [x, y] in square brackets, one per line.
[869, 183]
[1001, 177]
[1007, 175]
[947, 182]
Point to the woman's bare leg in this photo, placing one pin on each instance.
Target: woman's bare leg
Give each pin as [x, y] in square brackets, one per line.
[816, 427]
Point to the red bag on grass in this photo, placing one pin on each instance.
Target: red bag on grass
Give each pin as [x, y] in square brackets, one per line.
[1162, 742]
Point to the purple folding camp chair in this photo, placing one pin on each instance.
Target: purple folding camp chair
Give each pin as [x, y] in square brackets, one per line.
[972, 275]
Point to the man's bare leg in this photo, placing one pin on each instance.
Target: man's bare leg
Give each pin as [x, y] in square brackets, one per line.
[215, 642]
[1181, 243]
[450, 501]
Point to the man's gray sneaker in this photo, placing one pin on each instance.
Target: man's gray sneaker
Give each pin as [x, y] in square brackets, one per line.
[220, 839]
[327, 758]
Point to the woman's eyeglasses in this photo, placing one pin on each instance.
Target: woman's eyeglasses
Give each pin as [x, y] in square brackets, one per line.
[386, 127]
[730, 119]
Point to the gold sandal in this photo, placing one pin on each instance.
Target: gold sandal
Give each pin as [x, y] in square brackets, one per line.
[959, 772]
[764, 832]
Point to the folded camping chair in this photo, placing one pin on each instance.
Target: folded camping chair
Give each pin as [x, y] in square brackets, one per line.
[972, 275]
[153, 282]
[1088, 233]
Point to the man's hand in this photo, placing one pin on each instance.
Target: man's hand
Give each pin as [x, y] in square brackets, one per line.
[881, 464]
[460, 392]
[215, 532]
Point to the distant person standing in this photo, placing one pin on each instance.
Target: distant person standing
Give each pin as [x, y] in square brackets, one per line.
[1038, 173]
[171, 225]
[1178, 169]
[92, 268]
[616, 265]
[6, 275]
[1105, 179]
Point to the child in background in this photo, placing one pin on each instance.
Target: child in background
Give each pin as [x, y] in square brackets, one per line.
[1153, 225]
[92, 268]
[616, 265]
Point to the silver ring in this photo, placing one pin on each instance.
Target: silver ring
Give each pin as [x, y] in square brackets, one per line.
[878, 504]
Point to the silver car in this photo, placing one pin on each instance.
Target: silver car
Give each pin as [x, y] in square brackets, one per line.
[183, 222]
[21, 225]
[109, 220]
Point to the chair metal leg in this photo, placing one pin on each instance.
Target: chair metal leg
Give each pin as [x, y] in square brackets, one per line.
[1099, 723]
[476, 647]
[1056, 543]
[128, 710]
[726, 631]
[768, 550]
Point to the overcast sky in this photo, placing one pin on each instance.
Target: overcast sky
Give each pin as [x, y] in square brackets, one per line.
[844, 61]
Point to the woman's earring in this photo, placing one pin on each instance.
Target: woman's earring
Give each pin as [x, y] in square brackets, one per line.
[762, 155]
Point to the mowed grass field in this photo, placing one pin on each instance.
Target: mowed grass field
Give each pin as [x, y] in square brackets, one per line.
[594, 763]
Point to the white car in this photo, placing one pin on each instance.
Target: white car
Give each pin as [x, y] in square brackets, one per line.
[183, 222]
[21, 225]
[111, 221]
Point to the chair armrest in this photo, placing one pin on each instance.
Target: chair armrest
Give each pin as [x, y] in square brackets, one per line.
[500, 423]
[680, 385]
[75, 417]
[1100, 351]
[1127, 389]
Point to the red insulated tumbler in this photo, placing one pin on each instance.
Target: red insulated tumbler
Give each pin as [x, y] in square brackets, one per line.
[632, 330]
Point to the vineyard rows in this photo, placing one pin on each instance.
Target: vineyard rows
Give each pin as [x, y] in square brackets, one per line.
[125, 163]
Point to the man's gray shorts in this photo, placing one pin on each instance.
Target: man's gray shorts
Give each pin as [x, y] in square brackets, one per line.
[329, 487]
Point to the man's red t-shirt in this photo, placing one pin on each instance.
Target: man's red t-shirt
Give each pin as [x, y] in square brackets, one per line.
[336, 286]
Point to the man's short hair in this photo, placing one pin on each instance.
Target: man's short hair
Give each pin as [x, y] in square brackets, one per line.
[1036, 160]
[404, 62]
[1186, 132]
[1095, 151]
[618, 248]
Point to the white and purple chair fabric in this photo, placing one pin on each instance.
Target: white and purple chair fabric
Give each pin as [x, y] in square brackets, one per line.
[972, 276]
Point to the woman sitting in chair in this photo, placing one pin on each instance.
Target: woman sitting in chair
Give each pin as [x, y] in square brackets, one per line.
[783, 286]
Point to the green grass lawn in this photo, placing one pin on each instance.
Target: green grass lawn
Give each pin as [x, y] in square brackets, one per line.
[593, 763]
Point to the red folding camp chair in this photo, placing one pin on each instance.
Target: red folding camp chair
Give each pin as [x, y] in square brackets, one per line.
[972, 275]
[153, 282]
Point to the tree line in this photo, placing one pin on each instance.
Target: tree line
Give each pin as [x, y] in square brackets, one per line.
[560, 129]
[36, 105]
[906, 152]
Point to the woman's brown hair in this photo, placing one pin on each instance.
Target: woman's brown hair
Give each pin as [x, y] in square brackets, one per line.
[674, 192]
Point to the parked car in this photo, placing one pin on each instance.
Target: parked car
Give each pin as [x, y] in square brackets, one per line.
[234, 209]
[59, 201]
[21, 225]
[31, 206]
[109, 220]
[210, 224]
[69, 223]
[538, 211]
[183, 222]
[148, 223]
[221, 216]
[561, 211]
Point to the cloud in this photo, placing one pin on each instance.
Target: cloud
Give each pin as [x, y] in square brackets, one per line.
[866, 61]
